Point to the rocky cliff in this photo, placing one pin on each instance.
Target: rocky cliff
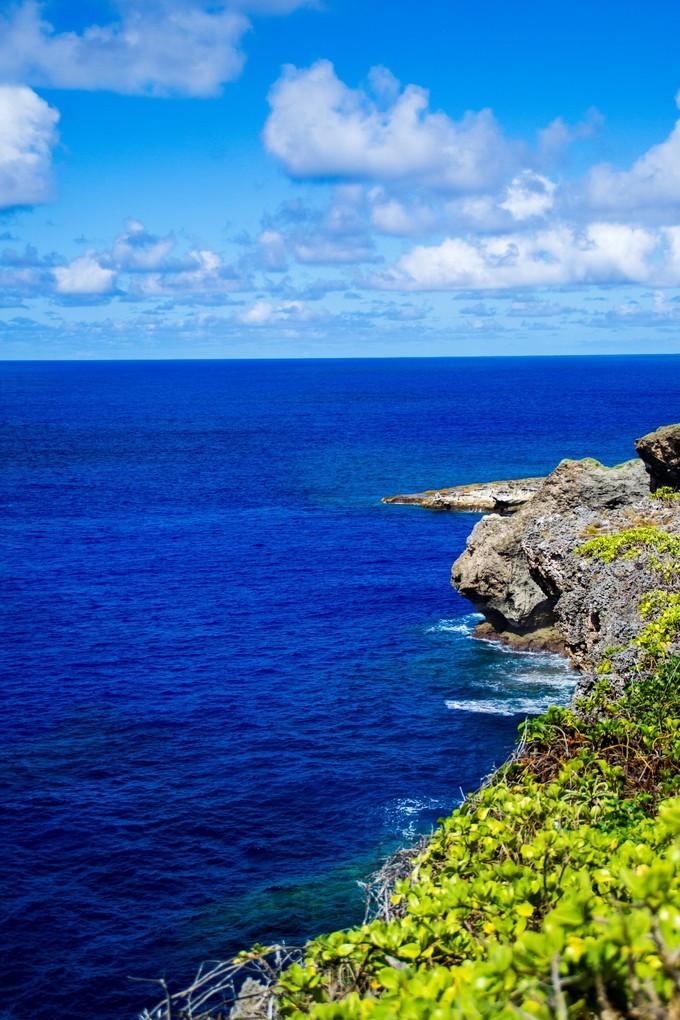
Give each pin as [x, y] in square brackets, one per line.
[529, 576]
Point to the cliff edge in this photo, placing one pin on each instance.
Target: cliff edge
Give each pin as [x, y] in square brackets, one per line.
[532, 574]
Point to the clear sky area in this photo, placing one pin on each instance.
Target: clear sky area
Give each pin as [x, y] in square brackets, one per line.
[291, 178]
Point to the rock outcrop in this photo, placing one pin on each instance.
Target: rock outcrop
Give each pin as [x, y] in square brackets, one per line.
[505, 497]
[525, 574]
[660, 452]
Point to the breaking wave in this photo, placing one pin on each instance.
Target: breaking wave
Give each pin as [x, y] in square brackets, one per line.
[501, 706]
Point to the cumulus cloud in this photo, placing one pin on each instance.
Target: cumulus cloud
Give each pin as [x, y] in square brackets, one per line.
[391, 215]
[602, 253]
[320, 128]
[156, 48]
[138, 265]
[201, 273]
[529, 195]
[555, 139]
[136, 250]
[84, 276]
[27, 137]
[652, 182]
[655, 311]
[25, 274]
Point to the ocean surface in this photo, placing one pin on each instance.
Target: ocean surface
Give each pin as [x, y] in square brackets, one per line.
[232, 679]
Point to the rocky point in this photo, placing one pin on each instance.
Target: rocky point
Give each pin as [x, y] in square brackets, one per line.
[537, 590]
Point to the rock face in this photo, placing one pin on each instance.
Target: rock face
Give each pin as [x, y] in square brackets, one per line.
[660, 452]
[525, 575]
[504, 497]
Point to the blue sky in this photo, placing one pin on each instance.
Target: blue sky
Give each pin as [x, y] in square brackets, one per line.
[291, 178]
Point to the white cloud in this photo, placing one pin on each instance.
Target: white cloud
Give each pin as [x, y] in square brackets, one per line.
[287, 313]
[652, 182]
[672, 262]
[389, 215]
[137, 250]
[157, 48]
[336, 234]
[84, 276]
[272, 251]
[258, 314]
[602, 253]
[201, 272]
[329, 251]
[528, 195]
[27, 136]
[555, 139]
[536, 309]
[319, 127]
[137, 266]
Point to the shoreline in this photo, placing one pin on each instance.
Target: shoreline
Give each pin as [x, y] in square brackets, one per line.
[461, 911]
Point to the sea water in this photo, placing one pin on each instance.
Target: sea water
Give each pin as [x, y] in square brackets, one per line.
[232, 679]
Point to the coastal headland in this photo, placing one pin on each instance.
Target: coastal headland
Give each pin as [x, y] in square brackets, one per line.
[553, 892]
[521, 570]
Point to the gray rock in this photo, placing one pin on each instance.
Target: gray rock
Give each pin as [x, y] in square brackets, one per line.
[660, 452]
[251, 1003]
[525, 574]
[504, 497]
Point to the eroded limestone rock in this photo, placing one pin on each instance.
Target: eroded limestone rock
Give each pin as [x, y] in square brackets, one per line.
[660, 452]
[504, 497]
[524, 573]
[508, 580]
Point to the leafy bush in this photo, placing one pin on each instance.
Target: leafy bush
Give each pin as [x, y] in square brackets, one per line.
[553, 892]
[661, 607]
[666, 493]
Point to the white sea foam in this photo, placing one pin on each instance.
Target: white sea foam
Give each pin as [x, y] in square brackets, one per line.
[402, 816]
[460, 625]
[564, 680]
[502, 706]
[551, 657]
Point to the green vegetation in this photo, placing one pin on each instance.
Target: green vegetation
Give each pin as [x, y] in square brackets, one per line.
[553, 893]
[661, 549]
[661, 606]
[666, 493]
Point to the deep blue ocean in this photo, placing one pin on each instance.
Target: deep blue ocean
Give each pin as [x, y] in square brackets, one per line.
[232, 679]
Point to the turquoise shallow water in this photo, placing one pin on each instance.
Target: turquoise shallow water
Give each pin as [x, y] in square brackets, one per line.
[231, 677]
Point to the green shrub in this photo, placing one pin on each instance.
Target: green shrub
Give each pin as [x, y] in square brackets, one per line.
[552, 893]
[666, 493]
[660, 607]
